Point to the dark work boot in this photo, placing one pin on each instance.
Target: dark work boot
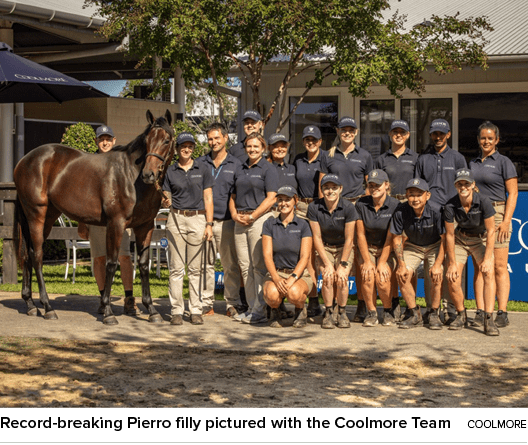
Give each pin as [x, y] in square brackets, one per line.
[314, 308]
[275, 318]
[361, 312]
[396, 309]
[413, 320]
[501, 320]
[300, 318]
[342, 318]
[328, 319]
[479, 319]
[285, 313]
[489, 326]
[459, 322]
[434, 321]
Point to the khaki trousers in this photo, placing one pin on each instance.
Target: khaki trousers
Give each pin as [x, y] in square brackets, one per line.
[224, 239]
[180, 254]
[248, 242]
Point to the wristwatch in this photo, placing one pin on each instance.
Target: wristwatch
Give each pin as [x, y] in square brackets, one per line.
[344, 263]
[251, 218]
[209, 223]
[294, 275]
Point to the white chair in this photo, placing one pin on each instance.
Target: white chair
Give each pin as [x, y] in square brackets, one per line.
[160, 222]
[74, 245]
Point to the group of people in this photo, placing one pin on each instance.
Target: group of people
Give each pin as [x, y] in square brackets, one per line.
[338, 213]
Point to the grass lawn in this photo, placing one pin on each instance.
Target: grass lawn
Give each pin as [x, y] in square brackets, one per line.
[85, 285]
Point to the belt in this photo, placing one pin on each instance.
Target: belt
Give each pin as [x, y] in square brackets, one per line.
[250, 212]
[290, 271]
[498, 203]
[188, 212]
[472, 235]
[400, 196]
[306, 200]
[337, 246]
[355, 198]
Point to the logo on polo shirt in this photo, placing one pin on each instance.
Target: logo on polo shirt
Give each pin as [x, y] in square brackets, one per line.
[229, 171]
[474, 212]
[294, 231]
[489, 166]
[386, 215]
[256, 176]
[408, 162]
[449, 168]
[339, 217]
[196, 176]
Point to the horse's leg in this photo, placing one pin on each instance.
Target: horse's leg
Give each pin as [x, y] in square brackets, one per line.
[42, 222]
[143, 236]
[114, 234]
[27, 272]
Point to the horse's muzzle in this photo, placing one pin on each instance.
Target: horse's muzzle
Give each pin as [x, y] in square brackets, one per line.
[149, 177]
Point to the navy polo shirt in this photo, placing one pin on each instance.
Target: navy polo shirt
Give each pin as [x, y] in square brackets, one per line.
[286, 240]
[332, 225]
[286, 174]
[253, 183]
[400, 170]
[376, 222]
[491, 174]
[239, 151]
[224, 179]
[187, 187]
[351, 169]
[439, 169]
[472, 221]
[422, 231]
[307, 174]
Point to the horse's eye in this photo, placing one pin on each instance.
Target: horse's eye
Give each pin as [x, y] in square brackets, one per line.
[167, 141]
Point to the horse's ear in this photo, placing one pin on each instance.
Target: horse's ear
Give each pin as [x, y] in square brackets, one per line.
[150, 117]
[168, 116]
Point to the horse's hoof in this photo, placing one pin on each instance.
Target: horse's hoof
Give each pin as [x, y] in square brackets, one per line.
[110, 321]
[33, 312]
[51, 315]
[155, 318]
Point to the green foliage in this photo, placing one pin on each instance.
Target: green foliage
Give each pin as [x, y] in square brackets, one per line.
[80, 136]
[206, 38]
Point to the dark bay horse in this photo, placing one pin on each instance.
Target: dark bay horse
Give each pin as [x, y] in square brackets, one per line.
[117, 189]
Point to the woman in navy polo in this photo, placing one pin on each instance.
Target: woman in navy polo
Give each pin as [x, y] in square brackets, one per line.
[333, 223]
[496, 178]
[286, 245]
[188, 193]
[254, 193]
[278, 146]
[374, 257]
[307, 168]
[474, 215]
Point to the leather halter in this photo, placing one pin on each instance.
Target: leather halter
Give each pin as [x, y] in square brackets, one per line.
[162, 159]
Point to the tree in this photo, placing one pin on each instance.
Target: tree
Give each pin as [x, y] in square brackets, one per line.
[354, 41]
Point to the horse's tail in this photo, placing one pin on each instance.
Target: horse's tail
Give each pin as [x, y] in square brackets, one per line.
[21, 235]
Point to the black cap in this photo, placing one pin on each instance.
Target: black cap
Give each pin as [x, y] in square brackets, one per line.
[400, 124]
[252, 114]
[277, 137]
[464, 174]
[104, 130]
[331, 178]
[346, 121]
[185, 137]
[377, 177]
[313, 131]
[418, 183]
[440, 125]
[287, 190]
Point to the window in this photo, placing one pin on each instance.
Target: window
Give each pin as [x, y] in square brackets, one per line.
[509, 111]
[320, 111]
[375, 121]
[419, 113]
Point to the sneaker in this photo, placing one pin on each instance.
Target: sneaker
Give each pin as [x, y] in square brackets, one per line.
[361, 312]
[314, 308]
[231, 311]
[196, 319]
[459, 322]
[176, 320]
[489, 327]
[300, 317]
[208, 310]
[285, 313]
[388, 319]
[434, 322]
[254, 318]
[328, 320]
[413, 318]
[371, 319]
[479, 319]
[130, 307]
[396, 309]
[241, 315]
[342, 319]
[275, 319]
[501, 320]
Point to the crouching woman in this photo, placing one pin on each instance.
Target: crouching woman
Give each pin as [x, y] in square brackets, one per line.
[286, 245]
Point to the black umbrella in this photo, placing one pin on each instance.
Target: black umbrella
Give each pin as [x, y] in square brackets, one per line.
[22, 80]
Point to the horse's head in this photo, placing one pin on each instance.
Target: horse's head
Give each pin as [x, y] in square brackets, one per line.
[160, 147]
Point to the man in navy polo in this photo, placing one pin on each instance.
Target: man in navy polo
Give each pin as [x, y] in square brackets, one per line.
[252, 122]
[398, 162]
[422, 223]
[438, 164]
[222, 165]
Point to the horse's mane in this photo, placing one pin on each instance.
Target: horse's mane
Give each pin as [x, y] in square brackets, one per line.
[139, 142]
